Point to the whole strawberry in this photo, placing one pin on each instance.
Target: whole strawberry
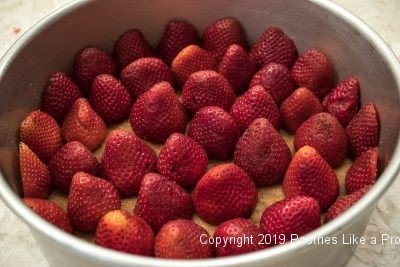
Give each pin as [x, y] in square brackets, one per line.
[182, 239]
[124, 231]
[262, 153]
[214, 129]
[161, 200]
[225, 192]
[158, 113]
[125, 160]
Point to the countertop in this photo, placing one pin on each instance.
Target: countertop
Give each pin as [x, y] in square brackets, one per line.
[17, 246]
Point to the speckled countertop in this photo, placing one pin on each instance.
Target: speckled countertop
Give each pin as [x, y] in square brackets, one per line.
[17, 246]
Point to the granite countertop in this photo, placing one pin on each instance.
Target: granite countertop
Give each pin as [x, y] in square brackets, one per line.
[17, 246]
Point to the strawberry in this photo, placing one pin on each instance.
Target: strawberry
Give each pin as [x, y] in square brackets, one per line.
[313, 71]
[181, 239]
[298, 107]
[343, 101]
[218, 36]
[35, 177]
[89, 199]
[182, 160]
[325, 134]
[253, 104]
[237, 68]
[124, 231]
[125, 160]
[190, 59]
[158, 113]
[363, 130]
[296, 215]
[41, 133]
[131, 45]
[262, 153]
[177, 35]
[363, 171]
[214, 129]
[225, 192]
[59, 96]
[274, 46]
[234, 230]
[89, 63]
[161, 201]
[83, 124]
[276, 79]
[71, 158]
[143, 73]
[49, 211]
[310, 175]
[207, 88]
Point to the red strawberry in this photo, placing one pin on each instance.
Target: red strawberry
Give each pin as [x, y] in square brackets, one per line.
[126, 159]
[310, 175]
[325, 134]
[130, 46]
[214, 129]
[158, 113]
[207, 88]
[274, 46]
[182, 160]
[50, 211]
[144, 73]
[182, 239]
[343, 101]
[177, 35]
[89, 63]
[363, 130]
[363, 171]
[236, 229]
[41, 133]
[297, 215]
[237, 68]
[71, 158]
[124, 231]
[253, 104]
[83, 124]
[89, 199]
[313, 71]
[218, 36]
[161, 201]
[35, 177]
[225, 192]
[110, 98]
[59, 95]
[344, 203]
[262, 153]
[191, 59]
[298, 107]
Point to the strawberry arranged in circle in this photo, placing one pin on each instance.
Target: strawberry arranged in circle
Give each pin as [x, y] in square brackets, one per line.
[158, 113]
[182, 160]
[89, 199]
[161, 200]
[125, 160]
[225, 192]
[262, 153]
[124, 231]
[182, 239]
[207, 88]
[215, 130]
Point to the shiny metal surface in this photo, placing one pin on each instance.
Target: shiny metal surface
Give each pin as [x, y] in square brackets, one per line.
[49, 46]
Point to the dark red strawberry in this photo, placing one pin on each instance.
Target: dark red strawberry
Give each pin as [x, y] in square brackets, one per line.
[158, 113]
[126, 159]
[161, 200]
[225, 192]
